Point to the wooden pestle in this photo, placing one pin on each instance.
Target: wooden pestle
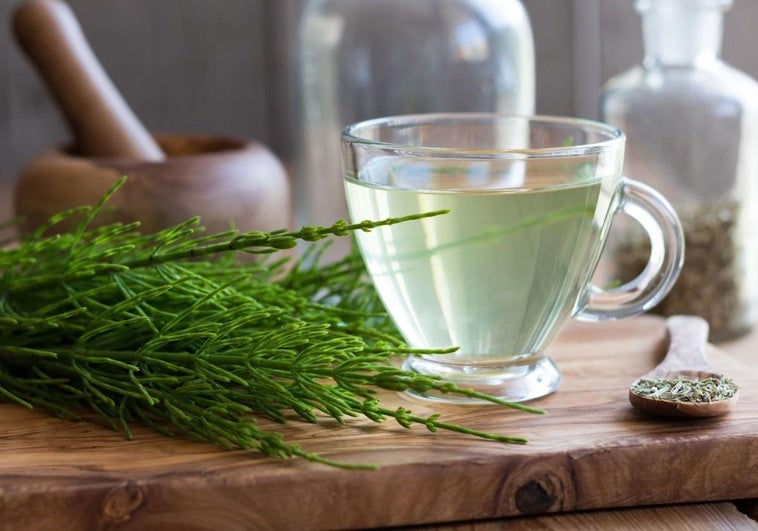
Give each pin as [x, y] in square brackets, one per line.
[102, 123]
[224, 181]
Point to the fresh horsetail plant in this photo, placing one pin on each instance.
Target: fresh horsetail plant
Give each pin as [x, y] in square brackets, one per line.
[144, 328]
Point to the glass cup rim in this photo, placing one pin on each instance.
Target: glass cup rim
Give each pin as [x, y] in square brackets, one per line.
[351, 134]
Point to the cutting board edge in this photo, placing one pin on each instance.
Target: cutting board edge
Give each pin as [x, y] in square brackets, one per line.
[541, 484]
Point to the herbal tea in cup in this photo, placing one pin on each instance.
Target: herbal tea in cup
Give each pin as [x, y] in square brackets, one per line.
[529, 203]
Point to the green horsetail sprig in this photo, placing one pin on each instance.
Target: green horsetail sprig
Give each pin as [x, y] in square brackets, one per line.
[144, 328]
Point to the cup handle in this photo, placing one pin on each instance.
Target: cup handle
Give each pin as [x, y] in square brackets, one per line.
[660, 221]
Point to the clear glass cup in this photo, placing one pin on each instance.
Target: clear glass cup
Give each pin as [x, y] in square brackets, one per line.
[529, 205]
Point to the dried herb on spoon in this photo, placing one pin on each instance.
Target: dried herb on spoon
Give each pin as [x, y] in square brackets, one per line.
[686, 389]
[142, 328]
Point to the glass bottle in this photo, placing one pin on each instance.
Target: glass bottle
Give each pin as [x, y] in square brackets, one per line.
[361, 59]
[691, 123]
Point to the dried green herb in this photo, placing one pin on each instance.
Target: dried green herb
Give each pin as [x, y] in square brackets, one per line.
[684, 389]
[712, 282]
[140, 328]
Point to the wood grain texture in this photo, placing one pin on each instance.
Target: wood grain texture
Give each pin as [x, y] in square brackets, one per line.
[686, 357]
[715, 516]
[225, 181]
[593, 450]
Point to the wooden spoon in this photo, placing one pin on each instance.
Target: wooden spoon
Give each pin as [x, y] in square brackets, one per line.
[686, 357]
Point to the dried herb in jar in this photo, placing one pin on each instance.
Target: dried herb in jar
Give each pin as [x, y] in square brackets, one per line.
[711, 283]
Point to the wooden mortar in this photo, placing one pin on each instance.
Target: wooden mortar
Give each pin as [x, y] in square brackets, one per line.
[226, 181]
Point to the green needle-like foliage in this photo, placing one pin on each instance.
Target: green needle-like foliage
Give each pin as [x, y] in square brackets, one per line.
[143, 328]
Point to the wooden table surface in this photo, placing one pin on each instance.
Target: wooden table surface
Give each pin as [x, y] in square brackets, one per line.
[740, 514]
[737, 515]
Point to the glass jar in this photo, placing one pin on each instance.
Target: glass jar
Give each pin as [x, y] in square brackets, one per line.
[361, 59]
[691, 123]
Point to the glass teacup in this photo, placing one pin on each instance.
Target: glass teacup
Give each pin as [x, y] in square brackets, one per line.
[530, 202]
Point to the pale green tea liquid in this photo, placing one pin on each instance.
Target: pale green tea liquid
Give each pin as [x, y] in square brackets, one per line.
[492, 276]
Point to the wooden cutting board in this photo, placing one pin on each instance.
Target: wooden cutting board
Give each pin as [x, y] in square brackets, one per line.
[592, 450]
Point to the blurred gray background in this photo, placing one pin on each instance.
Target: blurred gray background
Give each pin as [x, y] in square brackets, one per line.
[223, 66]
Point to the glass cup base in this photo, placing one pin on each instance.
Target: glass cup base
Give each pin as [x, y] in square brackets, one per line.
[514, 383]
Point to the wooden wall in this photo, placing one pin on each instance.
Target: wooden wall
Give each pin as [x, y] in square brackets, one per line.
[222, 66]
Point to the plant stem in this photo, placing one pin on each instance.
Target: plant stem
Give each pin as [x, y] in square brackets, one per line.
[137, 327]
